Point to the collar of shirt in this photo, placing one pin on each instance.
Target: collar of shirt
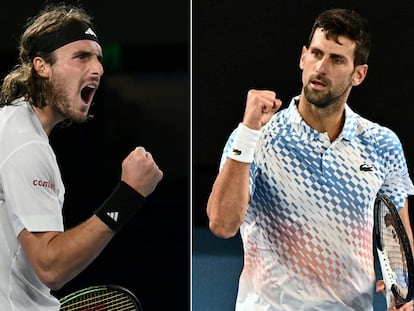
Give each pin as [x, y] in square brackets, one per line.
[298, 124]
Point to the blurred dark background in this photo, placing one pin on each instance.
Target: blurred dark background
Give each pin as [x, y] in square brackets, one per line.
[257, 44]
[143, 100]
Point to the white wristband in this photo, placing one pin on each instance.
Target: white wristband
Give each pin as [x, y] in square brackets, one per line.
[244, 144]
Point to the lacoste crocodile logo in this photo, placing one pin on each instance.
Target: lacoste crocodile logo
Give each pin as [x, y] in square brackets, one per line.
[365, 168]
[236, 151]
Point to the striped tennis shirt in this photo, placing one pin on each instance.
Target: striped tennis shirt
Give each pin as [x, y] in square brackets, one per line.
[307, 233]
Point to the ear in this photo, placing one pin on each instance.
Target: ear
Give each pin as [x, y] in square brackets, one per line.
[302, 56]
[359, 74]
[41, 67]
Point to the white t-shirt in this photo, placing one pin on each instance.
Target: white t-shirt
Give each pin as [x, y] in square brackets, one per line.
[31, 197]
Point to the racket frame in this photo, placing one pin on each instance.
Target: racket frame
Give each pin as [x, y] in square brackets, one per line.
[387, 273]
[95, 288]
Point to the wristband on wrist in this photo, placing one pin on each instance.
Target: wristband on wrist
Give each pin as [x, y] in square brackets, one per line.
[244, 144]
[123, 203]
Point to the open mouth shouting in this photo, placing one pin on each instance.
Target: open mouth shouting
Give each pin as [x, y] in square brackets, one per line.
[88, 92]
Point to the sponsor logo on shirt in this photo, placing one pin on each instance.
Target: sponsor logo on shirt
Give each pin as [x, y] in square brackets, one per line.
[365, 168]
[236, 151]
[43, 184]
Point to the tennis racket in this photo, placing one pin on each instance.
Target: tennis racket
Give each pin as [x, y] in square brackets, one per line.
[394, 253]
[101, 298]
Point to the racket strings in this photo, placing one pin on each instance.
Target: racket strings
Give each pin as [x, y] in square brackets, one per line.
[100, 301]
[393, 247]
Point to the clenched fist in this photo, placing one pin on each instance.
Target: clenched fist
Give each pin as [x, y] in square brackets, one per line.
[140, 171]
[260, 106]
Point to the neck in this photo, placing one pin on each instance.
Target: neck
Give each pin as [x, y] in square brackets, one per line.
[328, 120]
[48, 117]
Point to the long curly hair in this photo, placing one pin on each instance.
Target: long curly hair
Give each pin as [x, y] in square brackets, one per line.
[22, 80]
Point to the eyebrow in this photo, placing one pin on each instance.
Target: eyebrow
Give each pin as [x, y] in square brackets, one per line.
[337, 55]
[86, 52]
[330, 54]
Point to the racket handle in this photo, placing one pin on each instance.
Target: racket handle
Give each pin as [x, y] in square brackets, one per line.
[387, 276]
[389, 299]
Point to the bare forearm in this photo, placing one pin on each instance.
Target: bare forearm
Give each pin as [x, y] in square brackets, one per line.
[78, 247]
[60, 256]
[228, 200]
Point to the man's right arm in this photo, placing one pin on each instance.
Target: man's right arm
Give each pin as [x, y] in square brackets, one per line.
[227, 204]
[57, 257]
[228, 200]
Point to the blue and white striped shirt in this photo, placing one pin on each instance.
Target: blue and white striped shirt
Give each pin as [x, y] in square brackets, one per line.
[307, 233]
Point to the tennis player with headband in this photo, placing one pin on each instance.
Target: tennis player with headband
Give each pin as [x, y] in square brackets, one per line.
[59, 70]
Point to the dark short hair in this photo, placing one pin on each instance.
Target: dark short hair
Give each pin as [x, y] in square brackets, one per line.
[347, 23]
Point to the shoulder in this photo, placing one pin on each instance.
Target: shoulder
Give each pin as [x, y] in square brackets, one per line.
[383, 137]
[21, 134]
[283, 116]
[368, 127]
